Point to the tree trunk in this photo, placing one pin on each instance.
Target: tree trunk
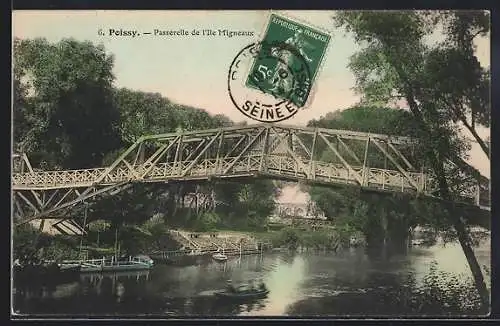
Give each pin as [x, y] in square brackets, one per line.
[466, 245]
[472, 130]
[458, 224]
[479, 140]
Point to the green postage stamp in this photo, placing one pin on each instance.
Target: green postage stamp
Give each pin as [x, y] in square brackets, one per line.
[270, 80]
[289, 60]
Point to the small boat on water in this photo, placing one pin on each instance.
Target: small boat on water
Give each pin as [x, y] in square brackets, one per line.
[219, 257]
[417, 242]
[243, 294]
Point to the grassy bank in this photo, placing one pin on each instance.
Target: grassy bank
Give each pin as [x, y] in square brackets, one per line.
[280, 235]
[291, 237]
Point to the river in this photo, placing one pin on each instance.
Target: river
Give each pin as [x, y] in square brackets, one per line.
[344, 283]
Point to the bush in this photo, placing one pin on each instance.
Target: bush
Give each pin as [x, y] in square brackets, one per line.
[439, 293]
[30, 246]
[292, 238]
[456, 294]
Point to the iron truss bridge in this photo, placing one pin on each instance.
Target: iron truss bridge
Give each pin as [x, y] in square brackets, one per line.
[312, 155]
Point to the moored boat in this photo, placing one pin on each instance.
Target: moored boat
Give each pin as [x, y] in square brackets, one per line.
[139, 262]
[219, 257]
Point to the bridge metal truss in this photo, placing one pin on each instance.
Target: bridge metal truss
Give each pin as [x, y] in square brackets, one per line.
[314, 155]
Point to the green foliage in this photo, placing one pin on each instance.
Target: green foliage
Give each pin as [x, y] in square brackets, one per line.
[246, 205]
[438, 293]
[336, 203]
[463, 68]
[272, 236]
[64, 102]
[60, 249]
[317, 240]
[99, 226]
[441, 82]
[143, 114]
[371, 119]
[146, 237]
[444, 81]
[292, 238]
[134, 205]
[31, 247]
[457, 293]
[208, 221]
[24, 247]
[275, 226]
[134, 239]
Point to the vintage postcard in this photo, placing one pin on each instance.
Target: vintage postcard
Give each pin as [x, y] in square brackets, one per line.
[250, 163]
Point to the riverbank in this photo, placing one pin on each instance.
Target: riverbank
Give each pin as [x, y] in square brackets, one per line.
[277, 236]
[186, 247]
[170, 243]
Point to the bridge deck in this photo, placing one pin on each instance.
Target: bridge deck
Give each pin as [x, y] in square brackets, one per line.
[204, 169]
[320, 156]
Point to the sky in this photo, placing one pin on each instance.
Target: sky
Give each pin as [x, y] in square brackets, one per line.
[192, 69]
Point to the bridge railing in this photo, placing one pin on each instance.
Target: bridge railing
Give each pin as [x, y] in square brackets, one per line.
[67, 178]
[270, 164]
[274, 164]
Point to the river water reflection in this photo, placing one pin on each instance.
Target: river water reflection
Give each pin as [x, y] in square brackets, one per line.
[345, 283]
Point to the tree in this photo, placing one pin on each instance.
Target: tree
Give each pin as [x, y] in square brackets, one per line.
[395, 62]
[125, 210]
[461, 76]
[144, 114]
[247, 203]
[63, 102]
[98, 226]
[370, 119]
[257, 200]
